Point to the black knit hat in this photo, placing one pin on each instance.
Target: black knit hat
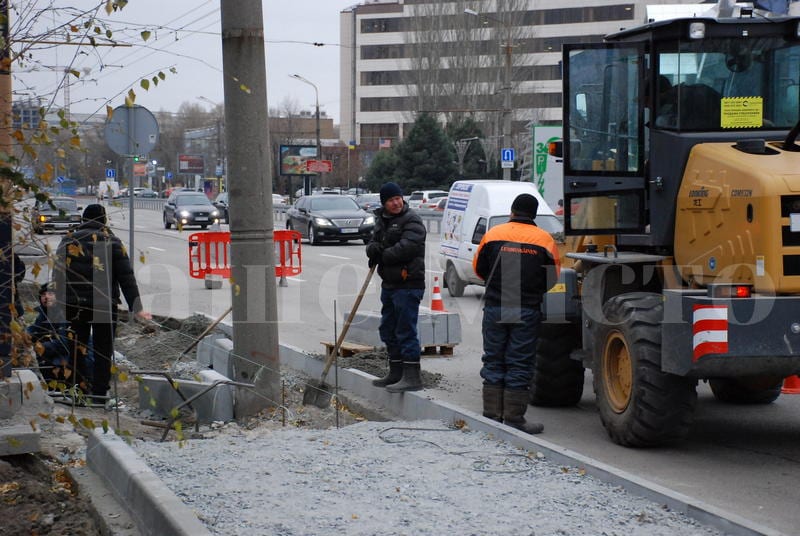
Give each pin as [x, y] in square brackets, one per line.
[390, 190]
[47, 287]
[525, 205]
[95, 212]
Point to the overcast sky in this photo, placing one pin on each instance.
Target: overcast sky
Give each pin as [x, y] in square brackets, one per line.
[185, 34]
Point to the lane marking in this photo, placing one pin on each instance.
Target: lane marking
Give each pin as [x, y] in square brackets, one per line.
[334, 256]
[296, 279]
[155, 248]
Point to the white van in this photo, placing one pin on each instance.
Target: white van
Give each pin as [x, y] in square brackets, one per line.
[473, 207]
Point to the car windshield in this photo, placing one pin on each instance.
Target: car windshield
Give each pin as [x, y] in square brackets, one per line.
[66, 205]
[333, 203]
[192, 199]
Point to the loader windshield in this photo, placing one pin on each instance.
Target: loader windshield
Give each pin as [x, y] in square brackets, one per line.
[722, 84]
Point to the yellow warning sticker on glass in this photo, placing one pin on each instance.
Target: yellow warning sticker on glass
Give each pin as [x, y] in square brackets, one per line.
[742, 112]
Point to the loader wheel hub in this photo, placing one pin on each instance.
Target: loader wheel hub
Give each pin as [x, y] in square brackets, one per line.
[617, 372]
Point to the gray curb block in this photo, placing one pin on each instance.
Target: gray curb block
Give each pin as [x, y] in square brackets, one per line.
[156, 509]
[160, 512]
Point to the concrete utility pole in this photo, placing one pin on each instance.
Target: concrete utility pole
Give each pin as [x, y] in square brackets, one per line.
[255, 311]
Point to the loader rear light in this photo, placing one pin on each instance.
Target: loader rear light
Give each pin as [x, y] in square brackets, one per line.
[730, 291]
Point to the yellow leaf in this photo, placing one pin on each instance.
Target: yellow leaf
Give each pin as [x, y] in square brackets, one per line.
[75, 141]
[76, 74]
[155, 80]
[109, 112]
[105, 426]
[237, 290]
[141, 258]
[161, 75]
[109, 7]
[61, 153]
[244, 88]
[97, 265]
[145, 35]
[145, 83]
[87, 423]
[123, 377]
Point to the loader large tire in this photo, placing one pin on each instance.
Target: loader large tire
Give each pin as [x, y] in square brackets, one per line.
[746, 390]
[640, 406]
[557, 379]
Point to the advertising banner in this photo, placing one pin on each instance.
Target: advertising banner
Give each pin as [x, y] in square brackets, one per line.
[293, 159]
[191, 164]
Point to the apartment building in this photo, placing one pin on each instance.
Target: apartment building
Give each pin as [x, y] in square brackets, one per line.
[482, 59]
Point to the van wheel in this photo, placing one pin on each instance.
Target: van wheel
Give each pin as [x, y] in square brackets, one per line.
[455, 286]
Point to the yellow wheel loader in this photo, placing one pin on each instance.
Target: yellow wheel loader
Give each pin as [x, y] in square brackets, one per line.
[682, 208]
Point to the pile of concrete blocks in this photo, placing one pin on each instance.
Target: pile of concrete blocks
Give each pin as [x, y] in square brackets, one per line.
[434, 328]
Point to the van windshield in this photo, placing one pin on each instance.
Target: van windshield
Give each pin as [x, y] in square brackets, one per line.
[548, 223]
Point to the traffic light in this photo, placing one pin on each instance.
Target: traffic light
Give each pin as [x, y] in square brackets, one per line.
[136, 158]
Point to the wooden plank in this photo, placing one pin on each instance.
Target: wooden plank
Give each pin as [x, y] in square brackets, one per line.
[442, 349]
[347, 349]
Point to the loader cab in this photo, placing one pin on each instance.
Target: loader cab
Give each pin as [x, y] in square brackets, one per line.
[636, 104]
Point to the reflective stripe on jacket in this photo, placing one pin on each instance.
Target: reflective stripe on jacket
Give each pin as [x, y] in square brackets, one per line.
[519, 262]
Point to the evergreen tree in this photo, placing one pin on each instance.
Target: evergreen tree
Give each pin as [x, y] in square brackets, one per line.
[426, 158]
[382, 170]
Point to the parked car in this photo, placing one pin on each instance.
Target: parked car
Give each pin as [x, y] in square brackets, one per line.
[146, 193]
[330, 217]
[55, 214]
[441, 204]
[137, 192]
[221, 202]
[369, 202]
[420, 198]
[189, 208]
[123, 192]
[279, 202]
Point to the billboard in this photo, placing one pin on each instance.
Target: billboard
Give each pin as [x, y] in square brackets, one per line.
[191, 164]
[293, 159]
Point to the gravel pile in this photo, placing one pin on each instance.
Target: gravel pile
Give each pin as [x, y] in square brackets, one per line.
[418, 478]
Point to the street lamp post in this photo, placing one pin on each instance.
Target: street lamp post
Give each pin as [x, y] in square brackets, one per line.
[507, 83]
[316, 107]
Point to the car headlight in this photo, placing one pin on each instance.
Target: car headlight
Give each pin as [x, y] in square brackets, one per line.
[369, 220]
[215, 213]
[184, 213]
[322, 221]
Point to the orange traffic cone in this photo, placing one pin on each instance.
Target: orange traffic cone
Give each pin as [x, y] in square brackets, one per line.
[791, 385]
[436, 297]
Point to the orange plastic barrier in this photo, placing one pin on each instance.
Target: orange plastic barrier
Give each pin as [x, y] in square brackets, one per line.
[210, 254]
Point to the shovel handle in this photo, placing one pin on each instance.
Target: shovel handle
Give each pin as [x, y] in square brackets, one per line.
[340, 339]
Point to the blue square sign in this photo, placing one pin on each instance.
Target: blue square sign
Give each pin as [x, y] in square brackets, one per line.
[111, 173]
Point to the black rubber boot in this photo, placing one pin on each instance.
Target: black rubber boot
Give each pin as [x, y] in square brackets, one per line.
[411, 380]
[515, 404]
[493, 402]
[394, 375]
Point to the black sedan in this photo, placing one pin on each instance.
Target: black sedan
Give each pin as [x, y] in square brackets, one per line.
[56, 214]
[330, 217]
[189, 208]
[369, 202]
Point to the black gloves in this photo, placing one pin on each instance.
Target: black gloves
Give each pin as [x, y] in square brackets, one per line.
[374, 253]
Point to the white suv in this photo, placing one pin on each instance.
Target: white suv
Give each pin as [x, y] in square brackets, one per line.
[422, 198]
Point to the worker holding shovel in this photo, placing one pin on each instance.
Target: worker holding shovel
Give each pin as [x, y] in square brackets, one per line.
[397, 248]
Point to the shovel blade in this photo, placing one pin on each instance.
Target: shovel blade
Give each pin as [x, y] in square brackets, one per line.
[317, 394]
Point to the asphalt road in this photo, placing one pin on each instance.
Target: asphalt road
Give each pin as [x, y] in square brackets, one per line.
[741, 459]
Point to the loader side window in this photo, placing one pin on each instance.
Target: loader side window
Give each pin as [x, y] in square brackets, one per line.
[604, 111]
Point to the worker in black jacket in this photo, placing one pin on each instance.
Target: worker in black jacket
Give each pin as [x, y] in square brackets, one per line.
[92, 267]
[397, 247]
